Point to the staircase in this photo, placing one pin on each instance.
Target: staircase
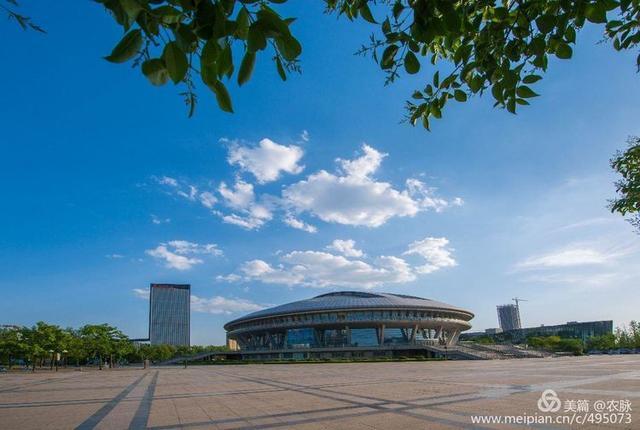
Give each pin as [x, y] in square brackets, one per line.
[504, 351]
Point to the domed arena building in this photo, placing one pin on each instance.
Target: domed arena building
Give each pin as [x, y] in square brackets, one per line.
[349, 324]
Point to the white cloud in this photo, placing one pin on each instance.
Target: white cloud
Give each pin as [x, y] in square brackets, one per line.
[355, 198]
[238, 197]
[267, 160]
[190, 194]
[363, 166]
[325, 269]
[580, 254]
[184, 247]
[294, 222]
[346, 248]
[141, 293]
[252, 215]
[179, 254]
[569, 257]
[262, 271]
[207, 199]
[167, 180]
[436, 253]
[178, 188]
[223, 305]
[305, 136]
[157, 220]
[350, 196]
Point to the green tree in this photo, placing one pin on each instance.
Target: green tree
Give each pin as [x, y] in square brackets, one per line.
[627, 164]
[12, 345]
[602, 343]
[76, 347]
[101, 341]
[469, 47]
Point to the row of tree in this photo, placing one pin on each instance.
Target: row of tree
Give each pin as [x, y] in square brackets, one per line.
[557, 344]
[623, 337]
[628, 338]
[98, 344]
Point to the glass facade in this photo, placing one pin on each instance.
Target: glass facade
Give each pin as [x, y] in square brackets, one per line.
[348, 329]
[364, 337]
[169, 314]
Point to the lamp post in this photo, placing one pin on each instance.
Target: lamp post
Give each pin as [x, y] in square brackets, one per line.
[64, 357]
[51, 351]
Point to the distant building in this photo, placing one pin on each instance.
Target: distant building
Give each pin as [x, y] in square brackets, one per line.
[491, 331]
[509, 317]
[169, 314]
[345, 324]
[572, 329]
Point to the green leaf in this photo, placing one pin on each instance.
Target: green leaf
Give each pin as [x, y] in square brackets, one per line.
[168, 14]
[126, 48]
[156, 71]
[570, 35]
[242, 20]
[595, 13]
[246, 67]
[176, 62]
[425, 122]
[210, 52]
[280, 68]
[289, 47]
[525, 92]
[411, 63]
[225, 61]
[546, 23]
[435, 111]
[365, 12]
[564, 51]
[460, 95]
[256, 40]
[132, 8]
[388, 56]
[530, 79]
[222, 96]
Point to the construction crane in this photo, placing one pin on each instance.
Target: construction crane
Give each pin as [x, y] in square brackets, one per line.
[518, 300]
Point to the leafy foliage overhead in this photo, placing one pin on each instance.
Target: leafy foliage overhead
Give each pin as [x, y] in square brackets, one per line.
[475, 46]
[464, 47]
[627, 164]
[188, 40]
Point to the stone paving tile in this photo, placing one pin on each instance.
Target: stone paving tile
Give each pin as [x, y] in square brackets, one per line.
[402, 395]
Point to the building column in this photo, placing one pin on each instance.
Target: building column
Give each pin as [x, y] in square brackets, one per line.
[413, 334]
[380, 331]
[453, 338]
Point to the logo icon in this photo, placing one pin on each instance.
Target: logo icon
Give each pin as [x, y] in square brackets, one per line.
[549, 401]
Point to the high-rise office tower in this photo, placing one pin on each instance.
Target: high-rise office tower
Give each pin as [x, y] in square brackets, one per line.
[509, 317]
[169, 314]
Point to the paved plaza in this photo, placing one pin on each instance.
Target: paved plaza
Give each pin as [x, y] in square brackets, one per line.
[395, 395]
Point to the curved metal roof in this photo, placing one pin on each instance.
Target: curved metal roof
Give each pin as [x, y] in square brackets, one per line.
[349, 300]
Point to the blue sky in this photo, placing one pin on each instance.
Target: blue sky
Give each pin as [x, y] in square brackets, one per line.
[97, 168]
